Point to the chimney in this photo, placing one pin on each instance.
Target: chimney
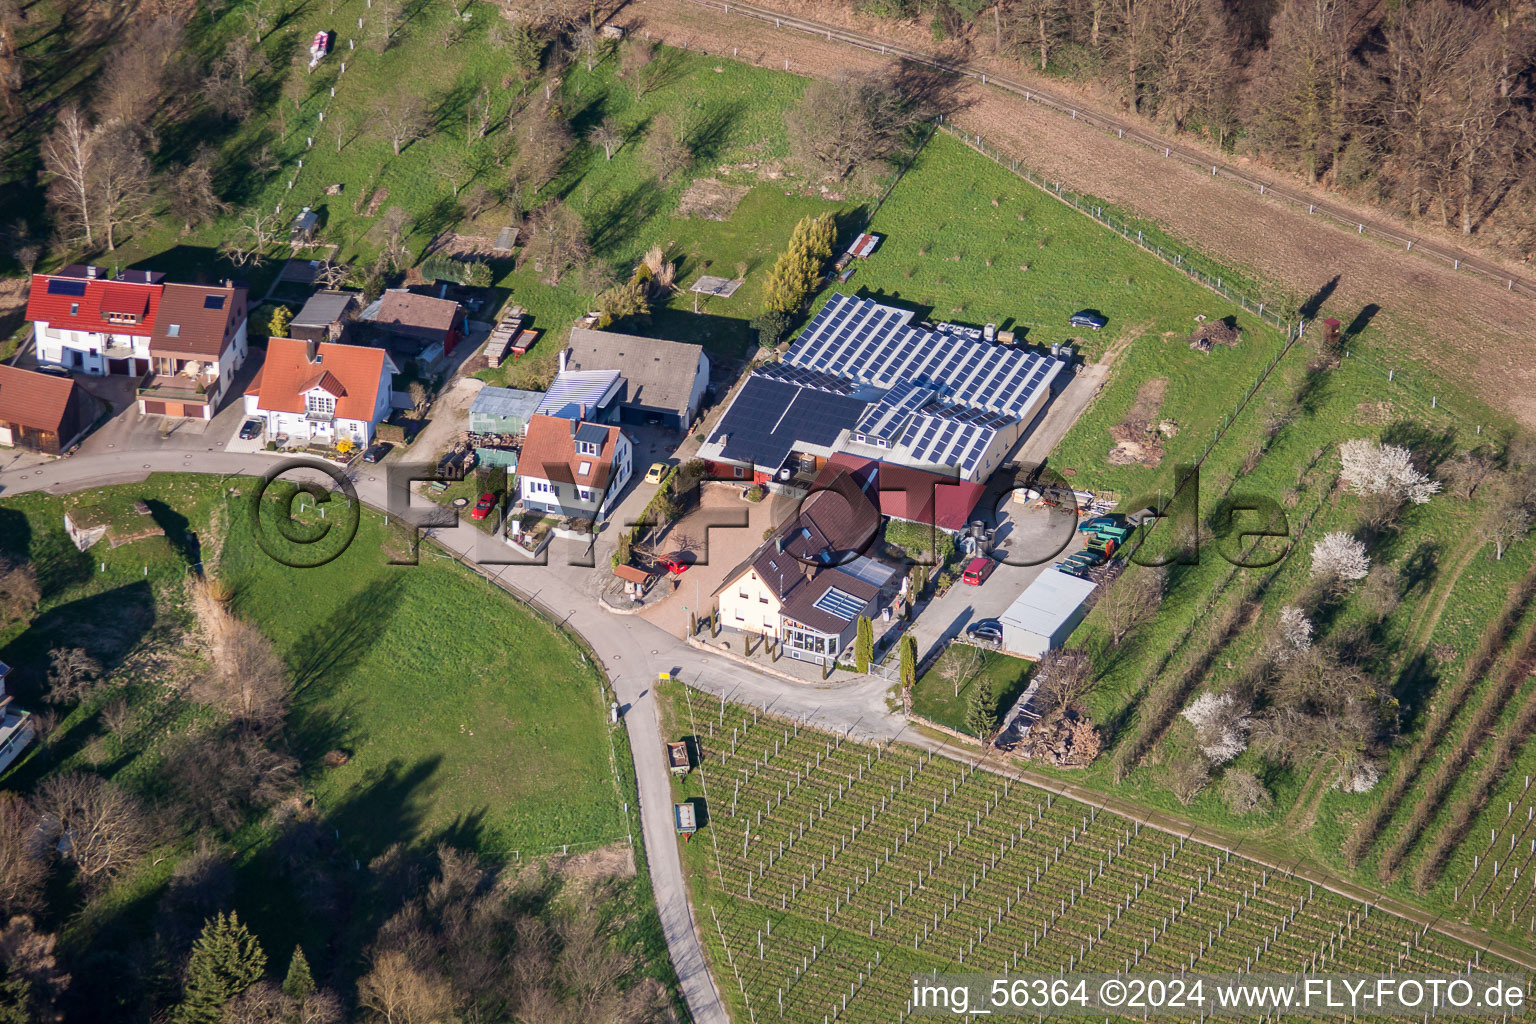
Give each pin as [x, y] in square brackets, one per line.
[562, 360]
[90, 271]
[312, 351]
[573, 428]
[583, 410]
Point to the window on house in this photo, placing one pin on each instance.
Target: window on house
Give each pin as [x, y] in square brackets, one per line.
[323, 404]
[586, 448]
[738, 470]
[586, 495]
[744, 595]
[584, 468]
[74, 309]
[762, 599]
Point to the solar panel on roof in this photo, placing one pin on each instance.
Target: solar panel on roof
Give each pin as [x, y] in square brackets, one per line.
[213, 302]
[835, 602]
[75, 288]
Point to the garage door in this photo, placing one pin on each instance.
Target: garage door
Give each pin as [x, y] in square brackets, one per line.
[174, 409]
[154, 407]
[5, 436]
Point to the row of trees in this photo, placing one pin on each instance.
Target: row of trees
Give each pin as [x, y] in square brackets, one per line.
[1425, 105]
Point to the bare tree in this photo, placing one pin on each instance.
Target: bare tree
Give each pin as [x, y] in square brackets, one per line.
[399, 992]
[247, 244]
[479, 116]
[69, 154]
[843, 125]
[1243, 793]
[401, 119]
[247, 680]
[12, 64]
[1467, 470]
[193, 197]
[19, 592]
[635, 64]
[1187, 776]
[543, 139]
[1131, 601]
[960, 664]
[27, 957]
[261, 16]
[1065, 674]
[606, 136]
[92, 822]
[396, 225]
[133, 73]
[72, 675]
[1506, 520]
[664, 150]
[331, 275]
[22, 873]
[121, 180]
[558, 239]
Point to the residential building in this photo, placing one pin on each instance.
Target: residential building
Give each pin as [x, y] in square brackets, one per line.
[810, 582]
[83, 320]
[573, 468]
[16, 729]
[197, 345]
[420, 327]
[326, 316]
[42, 412]
[664, 381]
[322, 393]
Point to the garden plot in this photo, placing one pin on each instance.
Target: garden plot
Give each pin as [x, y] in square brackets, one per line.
[836, 870]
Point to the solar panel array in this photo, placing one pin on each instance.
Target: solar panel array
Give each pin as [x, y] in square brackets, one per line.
[770, 417]
[75, 288]
[947, 442]
[835, 602]
[807, 378]
[864, 341]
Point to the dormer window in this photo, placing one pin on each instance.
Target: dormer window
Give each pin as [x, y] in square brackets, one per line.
[320, 403]
[586, 448]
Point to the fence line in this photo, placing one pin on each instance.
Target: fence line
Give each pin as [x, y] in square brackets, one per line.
[1126, 131]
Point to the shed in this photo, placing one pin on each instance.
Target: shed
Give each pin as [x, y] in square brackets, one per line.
[502, 410]
[1045, 614]
[304, 226]
[678, 760]
[42, 412]
[325, 316]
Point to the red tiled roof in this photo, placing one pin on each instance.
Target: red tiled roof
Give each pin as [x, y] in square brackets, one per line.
[287, 374]
[100, 296]
[37, 400]
[549, 452]
[908, 493]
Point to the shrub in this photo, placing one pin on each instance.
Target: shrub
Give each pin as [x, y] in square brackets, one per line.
[771, 325]
[1243, 793]
[757, 492]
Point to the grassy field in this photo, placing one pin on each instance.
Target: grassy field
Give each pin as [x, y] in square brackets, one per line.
[465, 718]
[822, 854]
[935, 696]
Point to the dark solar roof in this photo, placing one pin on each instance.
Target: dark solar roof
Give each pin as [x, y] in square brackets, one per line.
[213, 302]
[592, 433]
[770, 416]
[57, 287]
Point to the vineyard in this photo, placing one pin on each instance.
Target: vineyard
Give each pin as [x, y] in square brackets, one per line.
[836, 870]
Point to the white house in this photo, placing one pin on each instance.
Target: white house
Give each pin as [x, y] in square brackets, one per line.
[321, 392]
[571, 468]
[83, 320]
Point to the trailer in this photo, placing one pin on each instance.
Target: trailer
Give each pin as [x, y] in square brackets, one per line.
[677, 758]
[685, 819]
[503, 336]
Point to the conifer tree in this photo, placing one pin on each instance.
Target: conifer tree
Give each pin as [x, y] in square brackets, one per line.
[299, 983]
[226, 960]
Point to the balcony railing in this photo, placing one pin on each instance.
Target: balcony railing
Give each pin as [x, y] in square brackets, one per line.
[178, 387]
[318, 416]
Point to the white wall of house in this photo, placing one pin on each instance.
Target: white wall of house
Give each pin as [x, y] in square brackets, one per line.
[298, 427]
[580, 500]
[748, 605]
[86, 351]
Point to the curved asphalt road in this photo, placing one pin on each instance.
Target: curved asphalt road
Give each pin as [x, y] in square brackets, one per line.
[633, 652]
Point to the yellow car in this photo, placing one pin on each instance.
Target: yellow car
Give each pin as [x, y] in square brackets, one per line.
[655, 473]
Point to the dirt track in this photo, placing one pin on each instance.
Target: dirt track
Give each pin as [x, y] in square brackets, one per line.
[1467, 330]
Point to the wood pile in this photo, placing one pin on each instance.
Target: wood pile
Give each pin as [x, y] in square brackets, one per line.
[1211, 333]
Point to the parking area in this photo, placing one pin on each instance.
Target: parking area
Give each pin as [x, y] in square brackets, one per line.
[1034, 535]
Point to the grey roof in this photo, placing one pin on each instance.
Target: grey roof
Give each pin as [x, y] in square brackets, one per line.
[658, 374]
[572, 389]
[506, 403]
[592, 433]
[864, 341]
[325, 308]
[1047, 603]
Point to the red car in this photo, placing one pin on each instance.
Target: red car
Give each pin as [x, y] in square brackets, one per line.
[483, 506]
[976, 571]
[672, 565]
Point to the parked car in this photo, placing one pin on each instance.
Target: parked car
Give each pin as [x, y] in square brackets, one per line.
[1099, 523]
[985, 631]
[483, 506]
[977, 570]
[656, 472]
[250, 430]
[52, 370]
[377, 451]
[1087, 557]
[1087, 318]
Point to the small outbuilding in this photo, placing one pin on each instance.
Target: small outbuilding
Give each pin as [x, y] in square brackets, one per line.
[325, 316]
[42, 412]
[1045, 614]
[502, 410]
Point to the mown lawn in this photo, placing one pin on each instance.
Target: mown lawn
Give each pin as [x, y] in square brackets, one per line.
[935, 696]
[465, 717]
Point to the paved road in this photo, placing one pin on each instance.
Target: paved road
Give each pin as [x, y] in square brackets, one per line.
[633, 652]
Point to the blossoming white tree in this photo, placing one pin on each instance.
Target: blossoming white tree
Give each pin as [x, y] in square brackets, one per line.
[1340, 556]
[1374, 468]
[1295, 634]
[1221, 726]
